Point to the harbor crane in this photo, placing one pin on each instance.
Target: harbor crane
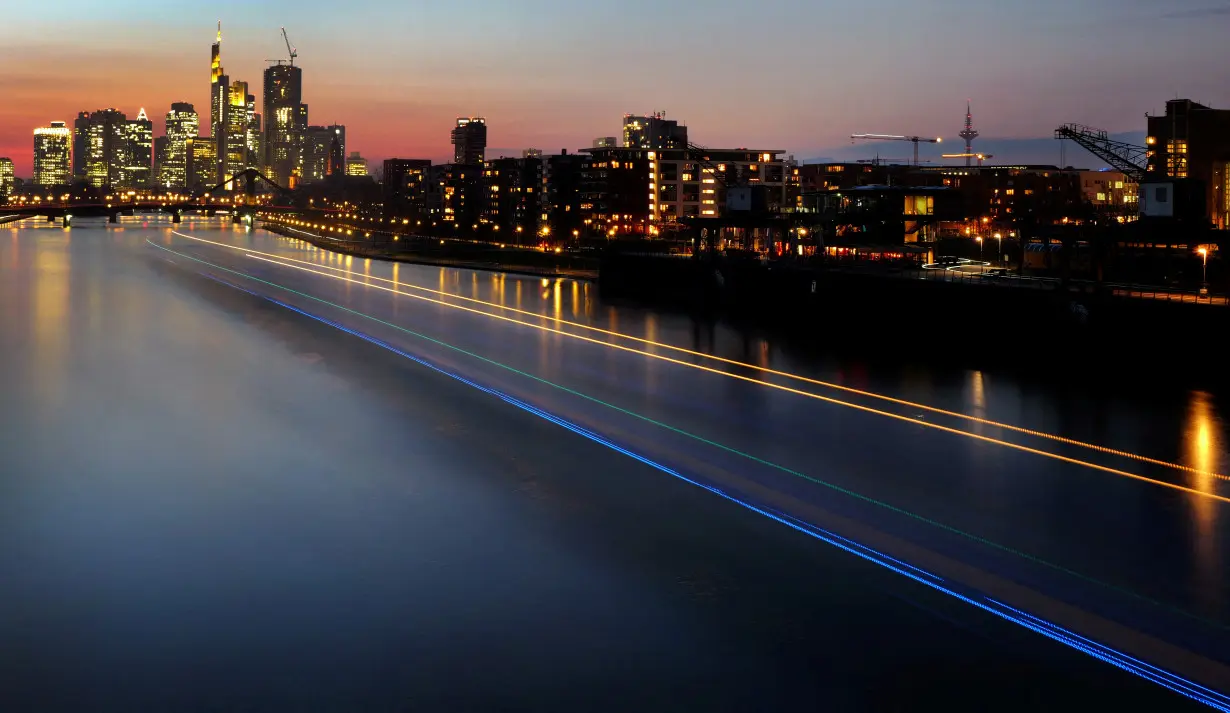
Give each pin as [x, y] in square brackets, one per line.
[979, 156]
[916, 140]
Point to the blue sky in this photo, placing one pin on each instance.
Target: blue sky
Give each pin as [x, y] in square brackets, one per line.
[799, 75]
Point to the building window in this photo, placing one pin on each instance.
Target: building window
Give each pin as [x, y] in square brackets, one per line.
[1176, 158]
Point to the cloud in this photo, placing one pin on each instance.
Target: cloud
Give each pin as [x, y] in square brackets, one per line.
[1197, 13]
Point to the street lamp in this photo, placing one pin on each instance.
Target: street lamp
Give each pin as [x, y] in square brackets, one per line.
[1204, 270]
[999, 237]
[981, 266]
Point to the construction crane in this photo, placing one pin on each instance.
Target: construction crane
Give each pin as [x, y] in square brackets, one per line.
[916, 140]
[967, 155]
[290, 50]
[1125, 157]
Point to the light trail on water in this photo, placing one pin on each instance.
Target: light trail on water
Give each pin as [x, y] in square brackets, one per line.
[1054, 632]
[733, 362]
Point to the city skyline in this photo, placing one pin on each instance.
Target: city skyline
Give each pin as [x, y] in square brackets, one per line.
[550, 85]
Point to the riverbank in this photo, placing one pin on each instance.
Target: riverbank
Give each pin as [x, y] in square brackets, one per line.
[1041, 329]
[469, 255]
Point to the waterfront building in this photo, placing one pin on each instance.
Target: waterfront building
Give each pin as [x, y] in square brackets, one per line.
[1191, 142]
[52, 154]
[513, 205]
[285, 117]
[457, 196]
[470, 141]
[406, 182]
[182, 127]
[6, 177]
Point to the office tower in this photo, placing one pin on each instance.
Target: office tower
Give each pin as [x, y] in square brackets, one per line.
[219, 84]
[6, 177]
[52, 154]
[653, 132]
[356, 165]
[470, 141]
[232, 143]
[337, 150]
[316, 147]
[202, 163]
[160, 160]
[285, 118]
[183, 126]
[135, 153]
[101, 135]
[81, 145]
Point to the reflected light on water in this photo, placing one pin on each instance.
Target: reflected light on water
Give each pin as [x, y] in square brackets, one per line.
[1203, 451]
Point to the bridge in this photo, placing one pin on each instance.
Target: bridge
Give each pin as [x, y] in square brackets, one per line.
[242, 206]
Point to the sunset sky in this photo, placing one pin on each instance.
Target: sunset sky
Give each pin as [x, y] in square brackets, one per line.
[798, 75]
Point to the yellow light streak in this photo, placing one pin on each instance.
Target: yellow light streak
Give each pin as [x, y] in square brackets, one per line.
[733, 362]
[827, 399]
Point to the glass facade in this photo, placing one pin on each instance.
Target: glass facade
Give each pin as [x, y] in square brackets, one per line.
[285, 118]
[6, 177]
[183, 125]
[52, 154]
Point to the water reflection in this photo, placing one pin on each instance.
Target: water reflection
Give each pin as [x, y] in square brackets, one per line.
[52, 290]
[1203, 449]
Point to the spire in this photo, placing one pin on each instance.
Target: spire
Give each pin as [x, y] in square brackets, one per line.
[219, 32]
[141, 115]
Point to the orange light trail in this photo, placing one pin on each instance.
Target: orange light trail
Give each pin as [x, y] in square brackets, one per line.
[827, 399]
[765, 370]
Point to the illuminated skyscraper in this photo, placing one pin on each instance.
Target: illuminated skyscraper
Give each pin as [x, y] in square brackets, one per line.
[203, 163]
[470, 141]
[653, 132]
[235, 144]
[100, 134]
[218, 87]
[135, 154]
[183, 126]
[324, 152]
[52, 154]
[285, 122]
[6, 177]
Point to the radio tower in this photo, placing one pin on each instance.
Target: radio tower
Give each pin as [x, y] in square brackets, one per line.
[969, 133]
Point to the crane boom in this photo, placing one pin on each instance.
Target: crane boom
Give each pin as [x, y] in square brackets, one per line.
[893, 137]
[291, 50]
[1131, 159]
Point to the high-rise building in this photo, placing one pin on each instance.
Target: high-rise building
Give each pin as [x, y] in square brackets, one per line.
[183, 126]
[356, 165]
[285, 122]
[81, 145]
[513, 205]
[52, 154]
[160, 160]
[219, 85]
[470, 141]
[337, 150]
[101, 135]
[202, 163]
[135, 153]
[316, 145]
[233, 142]
[653, 132]
[6, 177]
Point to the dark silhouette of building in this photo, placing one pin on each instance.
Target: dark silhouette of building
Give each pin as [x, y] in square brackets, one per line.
[457, 197]
[1191, 142]
[406, 183]
[337, 150]
[615, 191]
[285, 117]
[561, 177]
[470, 141]
[514, 198]
[653, 132]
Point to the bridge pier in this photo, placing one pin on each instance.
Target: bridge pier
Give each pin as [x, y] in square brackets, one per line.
[113, 217]
[177, 217]
[51, 218]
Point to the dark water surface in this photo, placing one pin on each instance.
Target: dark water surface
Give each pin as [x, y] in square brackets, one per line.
[209, 501]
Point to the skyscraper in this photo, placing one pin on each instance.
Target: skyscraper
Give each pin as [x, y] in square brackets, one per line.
[52, 154]
[103, 135]
[337, 150]
[219, 84]
[356, 165]
[6, 177]
[135, 154]
[318, 140]
[470, 141]
[233, 141]
[202, 163]
[81, 145]
[183, 126]
[285, 121]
